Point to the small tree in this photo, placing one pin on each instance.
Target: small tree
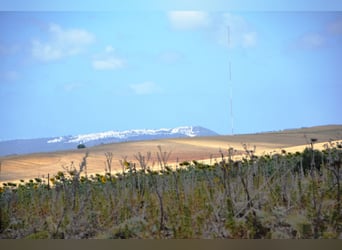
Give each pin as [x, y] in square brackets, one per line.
[80, 146]
[109, 158]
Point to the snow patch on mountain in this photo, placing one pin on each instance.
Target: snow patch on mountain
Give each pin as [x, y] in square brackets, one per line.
[188, 131]
[59, 139]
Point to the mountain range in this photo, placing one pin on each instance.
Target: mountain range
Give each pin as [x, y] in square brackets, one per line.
[28, 146]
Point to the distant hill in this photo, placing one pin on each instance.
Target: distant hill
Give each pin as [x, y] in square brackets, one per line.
[28, 146]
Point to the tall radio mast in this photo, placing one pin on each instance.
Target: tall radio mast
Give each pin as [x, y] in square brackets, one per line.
[231, 86]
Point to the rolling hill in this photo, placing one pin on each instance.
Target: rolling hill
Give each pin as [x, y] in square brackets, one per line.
[205, 148]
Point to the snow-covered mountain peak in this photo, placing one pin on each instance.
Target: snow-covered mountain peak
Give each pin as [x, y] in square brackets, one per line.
[130, 134]
[27, 146]
[184, 131]
[55, 140]
[188, 131]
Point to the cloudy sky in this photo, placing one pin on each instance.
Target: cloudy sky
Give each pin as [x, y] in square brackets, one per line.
[72, 72]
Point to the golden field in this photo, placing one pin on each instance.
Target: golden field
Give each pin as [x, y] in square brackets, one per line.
[206, 149]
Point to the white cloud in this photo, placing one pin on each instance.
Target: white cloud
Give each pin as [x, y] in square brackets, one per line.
[249, 39]
[12, 75]
[9, 75]
[311, 41]
[109, 49]
[187, 20]
[170, 57]
[241, 33]
[109, 63]
[61, 43]
[71, 36]
[46, 52]
[108, 60]
[145, 88]
[72, 86]
[335, 27]
[8, 49]
[320, 39]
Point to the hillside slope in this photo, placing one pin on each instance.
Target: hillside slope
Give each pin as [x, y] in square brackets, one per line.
[180, 149]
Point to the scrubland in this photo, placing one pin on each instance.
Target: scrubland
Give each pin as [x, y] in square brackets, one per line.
[286, 195]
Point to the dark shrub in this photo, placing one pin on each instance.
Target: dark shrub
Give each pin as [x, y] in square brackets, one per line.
[307, 155]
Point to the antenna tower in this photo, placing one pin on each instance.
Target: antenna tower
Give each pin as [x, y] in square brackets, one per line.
[231, 86]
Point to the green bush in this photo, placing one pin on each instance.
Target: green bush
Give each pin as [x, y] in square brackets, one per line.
[80, 146]
[307, 156]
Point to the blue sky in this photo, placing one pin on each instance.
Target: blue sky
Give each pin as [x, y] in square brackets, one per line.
[73, 72]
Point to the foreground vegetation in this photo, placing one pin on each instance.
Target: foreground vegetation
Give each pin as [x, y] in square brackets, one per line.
[272, 196]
